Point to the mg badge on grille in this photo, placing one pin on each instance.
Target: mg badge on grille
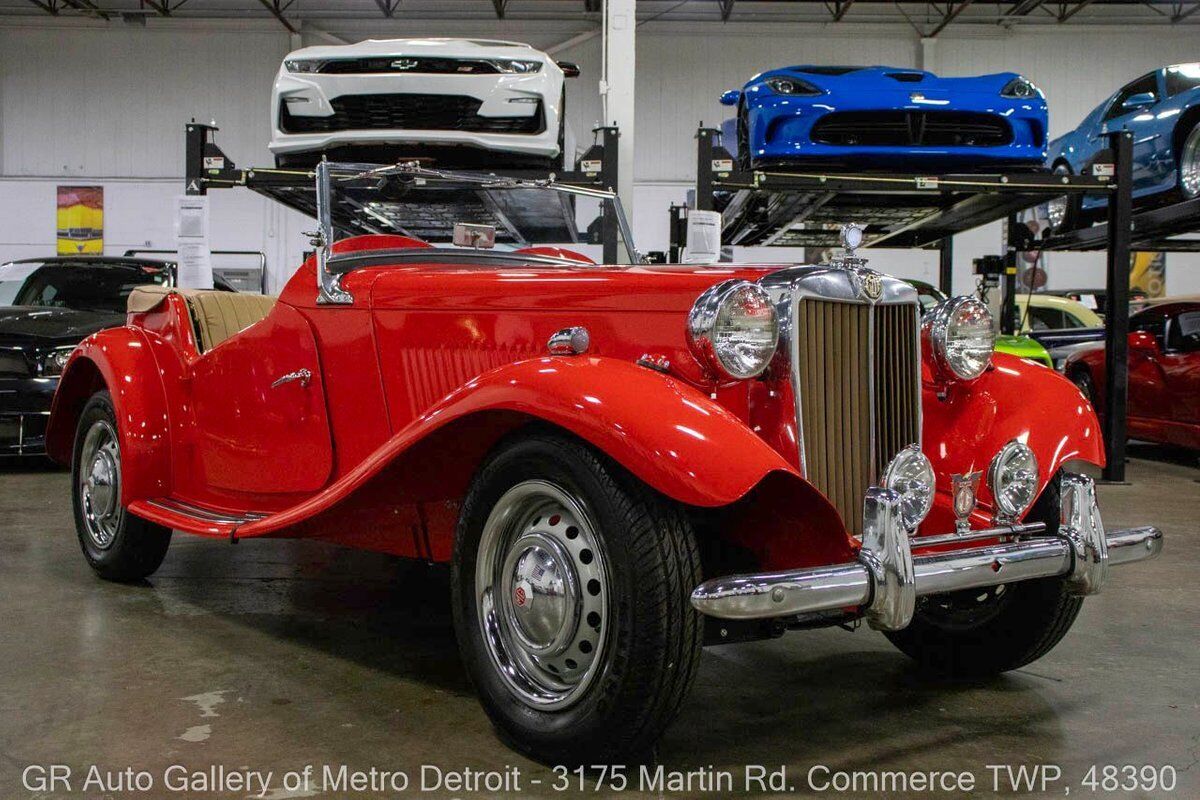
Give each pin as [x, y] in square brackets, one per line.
[870, 284]
[964, 499]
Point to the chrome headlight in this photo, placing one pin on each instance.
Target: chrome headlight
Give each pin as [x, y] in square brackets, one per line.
[791, 86]
[733, 329]
[1013, 479]
[304, 65]
[960, 334]
[911, 476]
[1020, 89]
[52, 363]
[516, 67]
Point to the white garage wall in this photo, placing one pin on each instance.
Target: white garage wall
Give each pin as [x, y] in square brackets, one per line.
[106, 104]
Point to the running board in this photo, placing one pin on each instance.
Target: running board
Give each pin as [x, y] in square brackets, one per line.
[178, 515]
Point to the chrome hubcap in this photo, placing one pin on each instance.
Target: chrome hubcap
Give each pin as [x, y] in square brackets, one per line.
[100, 484]
[1189, 164]
[542, 594]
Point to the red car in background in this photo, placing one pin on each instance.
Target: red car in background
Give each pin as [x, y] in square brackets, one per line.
[1164, 374]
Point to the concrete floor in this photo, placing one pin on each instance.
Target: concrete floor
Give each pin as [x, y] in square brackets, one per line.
[277, 655]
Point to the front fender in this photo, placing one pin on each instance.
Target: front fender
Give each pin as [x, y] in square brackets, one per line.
[1013, 400]
[120, 360]
[668, 434]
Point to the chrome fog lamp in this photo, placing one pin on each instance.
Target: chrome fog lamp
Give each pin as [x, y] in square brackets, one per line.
[1013, 479]
[911, 476]
[961, 338]
[733, 329]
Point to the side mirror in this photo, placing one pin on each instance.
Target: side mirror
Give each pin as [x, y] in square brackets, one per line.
[1143, 343]
[1139, 100]
[731, 97]
[569, 70]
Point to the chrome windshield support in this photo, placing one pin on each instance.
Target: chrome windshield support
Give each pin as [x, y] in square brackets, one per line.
[329, 286]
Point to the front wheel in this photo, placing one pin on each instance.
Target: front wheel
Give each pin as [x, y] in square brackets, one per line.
[570, 588]
[116, 544]
[1083, 382]
[1189, 164]
[979, 632]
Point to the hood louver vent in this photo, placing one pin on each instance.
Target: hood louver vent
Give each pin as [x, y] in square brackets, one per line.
[906, 77]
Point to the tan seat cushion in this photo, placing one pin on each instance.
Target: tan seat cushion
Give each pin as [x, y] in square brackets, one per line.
[219, 315]
[215, 315]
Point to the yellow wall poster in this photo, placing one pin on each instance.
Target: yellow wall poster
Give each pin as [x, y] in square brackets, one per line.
[80, 220]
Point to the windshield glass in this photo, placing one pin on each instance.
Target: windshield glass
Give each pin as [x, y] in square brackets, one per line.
[427, 204]
[1182, 77]
[80, 286]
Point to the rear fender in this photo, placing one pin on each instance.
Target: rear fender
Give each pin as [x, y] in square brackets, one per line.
[1013, 400]
[119, 360]
[671, 436]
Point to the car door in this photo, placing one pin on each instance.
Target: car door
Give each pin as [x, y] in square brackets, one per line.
[1148, 393]
[262, 425]
[1124, 113]
[1181, 367]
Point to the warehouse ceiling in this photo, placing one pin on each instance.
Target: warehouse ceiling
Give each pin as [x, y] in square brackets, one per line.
[927, 19]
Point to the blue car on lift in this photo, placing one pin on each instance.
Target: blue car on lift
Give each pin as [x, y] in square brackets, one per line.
[886, 118]
[1162, 111]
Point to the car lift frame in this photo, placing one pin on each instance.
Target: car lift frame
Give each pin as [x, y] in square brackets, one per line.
[926, 211]
[207, 167]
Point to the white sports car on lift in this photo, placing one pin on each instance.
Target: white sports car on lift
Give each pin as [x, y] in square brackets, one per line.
[461, 102]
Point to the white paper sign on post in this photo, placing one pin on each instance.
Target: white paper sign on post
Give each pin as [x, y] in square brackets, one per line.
[703, 237]
[191, 240]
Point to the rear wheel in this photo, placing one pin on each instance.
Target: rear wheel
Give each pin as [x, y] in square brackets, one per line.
[570, 588]
[987, 631]
[116, 544]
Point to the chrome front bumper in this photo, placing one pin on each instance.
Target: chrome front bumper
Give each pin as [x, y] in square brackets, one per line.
[886, 580]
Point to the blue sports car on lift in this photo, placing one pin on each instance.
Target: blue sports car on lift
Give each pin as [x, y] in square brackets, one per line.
[902, 120]
[1162, 110]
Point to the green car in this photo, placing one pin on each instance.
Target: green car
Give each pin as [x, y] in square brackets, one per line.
[1019, 346]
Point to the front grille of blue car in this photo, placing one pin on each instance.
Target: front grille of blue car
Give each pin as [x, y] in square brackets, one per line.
[912, 129]
[428, 112]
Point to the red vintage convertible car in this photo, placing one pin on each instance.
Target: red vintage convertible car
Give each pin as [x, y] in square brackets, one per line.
[1164, 373]
[621, 463]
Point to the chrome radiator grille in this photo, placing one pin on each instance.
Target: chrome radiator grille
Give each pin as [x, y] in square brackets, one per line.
[858, 388]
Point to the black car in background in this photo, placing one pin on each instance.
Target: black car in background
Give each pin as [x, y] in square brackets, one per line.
[48, 306]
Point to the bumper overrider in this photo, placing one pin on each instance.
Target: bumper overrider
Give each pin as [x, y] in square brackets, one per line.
[887, 579]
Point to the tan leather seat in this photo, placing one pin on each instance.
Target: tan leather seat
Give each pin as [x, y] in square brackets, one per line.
[215, 315]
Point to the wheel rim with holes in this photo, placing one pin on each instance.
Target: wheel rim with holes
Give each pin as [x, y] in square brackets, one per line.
[100, 484]
[1056, 209]
[542, 594]
[1189, 164]
[966, 610]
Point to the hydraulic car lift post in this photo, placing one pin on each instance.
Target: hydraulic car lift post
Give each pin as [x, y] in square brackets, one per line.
[946, 265]
[1116, 331]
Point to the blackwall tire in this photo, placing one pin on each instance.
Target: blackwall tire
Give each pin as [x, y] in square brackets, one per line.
[1004, 631]
[1189, 164]
[115, 543]
[603, 691]
[1083, 382]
